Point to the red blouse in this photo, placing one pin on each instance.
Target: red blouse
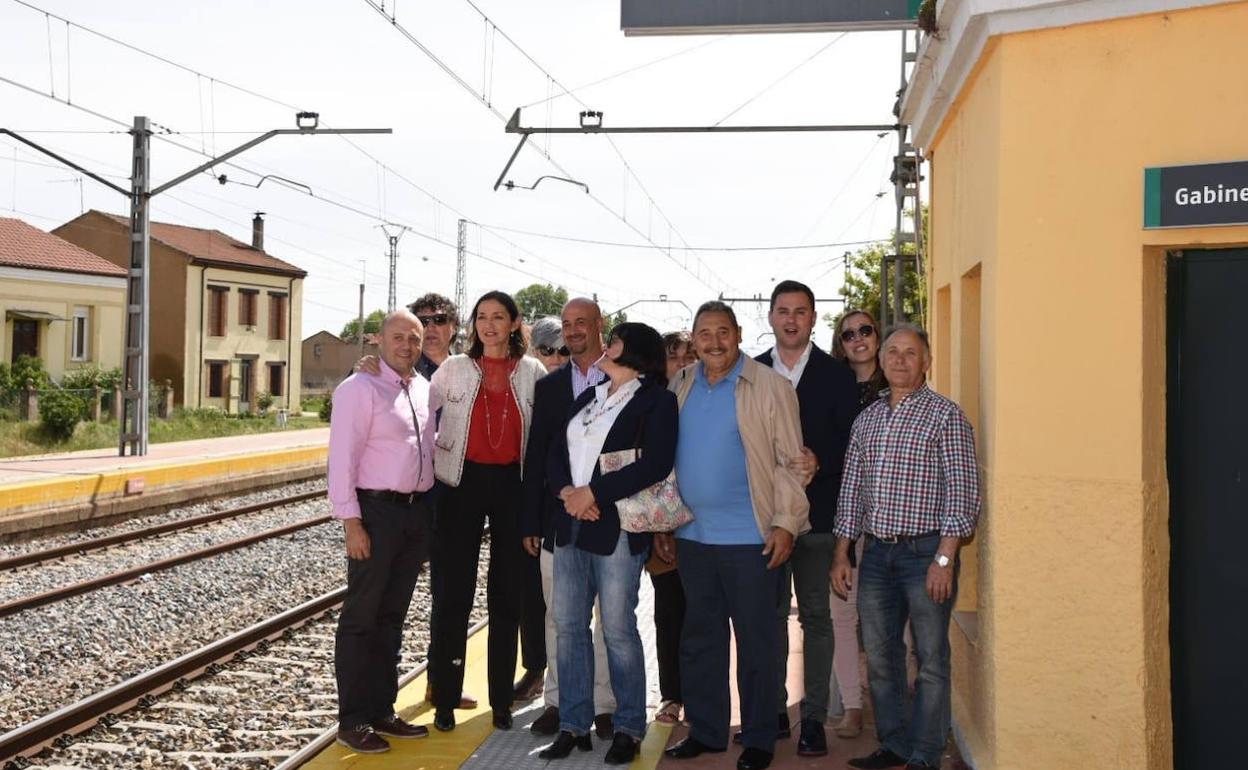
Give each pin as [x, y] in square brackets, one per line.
[495, 430]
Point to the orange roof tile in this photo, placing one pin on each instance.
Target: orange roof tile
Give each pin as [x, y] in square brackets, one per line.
[24, 245]
[216, 247]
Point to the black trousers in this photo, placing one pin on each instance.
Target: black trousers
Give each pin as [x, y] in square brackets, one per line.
[532, 616]
[484, 491]
[669, 616]
[722, 583]
[370, 628]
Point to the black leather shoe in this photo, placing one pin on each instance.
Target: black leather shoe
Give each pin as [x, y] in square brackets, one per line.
[754, 759]
[783, 730]
[444, 720]
[530, 685]
[564, 743]
[689, 748]
[623, 749]
[502, 719]
[604, 725]
[880, 759]
[547, 723]
[813, 741]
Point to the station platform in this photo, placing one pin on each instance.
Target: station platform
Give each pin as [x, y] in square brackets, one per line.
[474, 744]
[43, 491]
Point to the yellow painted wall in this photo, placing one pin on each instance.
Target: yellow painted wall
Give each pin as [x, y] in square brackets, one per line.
[1037, 175]
[242, 341]
[59, 297]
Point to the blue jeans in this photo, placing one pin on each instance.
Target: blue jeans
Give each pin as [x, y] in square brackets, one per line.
[892, 586]
[614, 580]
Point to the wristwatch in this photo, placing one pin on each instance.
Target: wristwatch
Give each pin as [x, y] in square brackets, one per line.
[942, 560]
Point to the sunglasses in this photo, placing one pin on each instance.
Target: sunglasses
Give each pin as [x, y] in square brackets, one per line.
[438, 319]
[547, 350]
[864, 331]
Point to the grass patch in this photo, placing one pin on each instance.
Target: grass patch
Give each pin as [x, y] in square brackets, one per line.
[29, 438]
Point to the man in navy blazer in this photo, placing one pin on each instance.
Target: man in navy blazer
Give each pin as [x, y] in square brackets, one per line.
[553, 396]
[827, 395]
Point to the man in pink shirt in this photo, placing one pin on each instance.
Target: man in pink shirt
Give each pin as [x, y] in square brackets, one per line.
[380, 466]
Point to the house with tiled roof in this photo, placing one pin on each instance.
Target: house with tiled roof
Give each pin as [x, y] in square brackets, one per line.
[225, 313]
[60, 303]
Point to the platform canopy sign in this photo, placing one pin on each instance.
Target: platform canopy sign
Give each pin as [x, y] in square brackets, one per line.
[1196, 196]
[702, 17]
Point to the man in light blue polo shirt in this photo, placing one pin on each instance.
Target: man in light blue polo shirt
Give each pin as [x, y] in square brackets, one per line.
[739, 429]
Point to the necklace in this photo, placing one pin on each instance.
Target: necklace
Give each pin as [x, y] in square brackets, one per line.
[495, 443]
[593, 412]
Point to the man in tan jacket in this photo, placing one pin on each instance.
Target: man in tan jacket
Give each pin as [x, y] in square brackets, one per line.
[739, 430]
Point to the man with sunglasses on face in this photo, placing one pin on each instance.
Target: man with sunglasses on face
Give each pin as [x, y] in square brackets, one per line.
[440, 319]
[828, 403]
[582, 327]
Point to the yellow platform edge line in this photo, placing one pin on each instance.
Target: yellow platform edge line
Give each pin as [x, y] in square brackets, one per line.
[449, 751]
[112, 483]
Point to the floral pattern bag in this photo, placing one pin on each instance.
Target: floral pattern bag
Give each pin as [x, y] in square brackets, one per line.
[657, 508]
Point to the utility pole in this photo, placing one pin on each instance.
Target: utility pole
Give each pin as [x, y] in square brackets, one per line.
[461, 268]
[393, 240]
[360, 329]
[133, 429]
[134, 394]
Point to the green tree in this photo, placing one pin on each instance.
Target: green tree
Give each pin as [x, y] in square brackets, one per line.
[372, 325]
[610, 321]
[540, 299]
[861, 289]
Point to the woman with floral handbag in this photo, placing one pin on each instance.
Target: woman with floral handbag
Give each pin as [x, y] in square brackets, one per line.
[631, 412]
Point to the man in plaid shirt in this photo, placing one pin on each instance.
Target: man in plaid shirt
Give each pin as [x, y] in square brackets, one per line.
[911, 487]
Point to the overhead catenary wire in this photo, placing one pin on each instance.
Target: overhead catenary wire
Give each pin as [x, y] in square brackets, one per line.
[782, 78]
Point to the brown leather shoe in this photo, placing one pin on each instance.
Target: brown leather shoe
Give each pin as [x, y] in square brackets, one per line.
[850, 725]
[530, 685]
[394, 727]
[466, 701]
[362, 740]
[604, 726]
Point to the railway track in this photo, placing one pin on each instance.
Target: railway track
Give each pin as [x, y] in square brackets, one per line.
[121, 576]
[158, 718]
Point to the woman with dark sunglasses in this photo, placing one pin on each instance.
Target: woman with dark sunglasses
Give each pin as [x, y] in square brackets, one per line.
[546, 343]
[857, 343]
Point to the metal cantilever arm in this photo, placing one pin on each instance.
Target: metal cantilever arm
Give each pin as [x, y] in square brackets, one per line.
[66, 161]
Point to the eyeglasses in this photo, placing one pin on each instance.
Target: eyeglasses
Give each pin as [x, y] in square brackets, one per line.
[864, 331]
[438, 319]
[547, 350]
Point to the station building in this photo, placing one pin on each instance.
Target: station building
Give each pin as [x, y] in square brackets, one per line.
[1088, 164]
[62, 304]
[225, 315]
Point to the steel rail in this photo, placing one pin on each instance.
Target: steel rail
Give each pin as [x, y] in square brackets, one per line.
[74, 589]
[77, 717]
[48, 554]
[323, 741]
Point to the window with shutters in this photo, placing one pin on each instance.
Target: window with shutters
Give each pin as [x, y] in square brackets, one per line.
[80, 335]
[276, 378]
[216, 379]
[247, 307]
[218, 308]
[277, 316]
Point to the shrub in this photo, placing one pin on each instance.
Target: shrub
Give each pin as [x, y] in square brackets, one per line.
[13, 379]
[88, 377]
[59, 412]
[264, 400]
[326, 410]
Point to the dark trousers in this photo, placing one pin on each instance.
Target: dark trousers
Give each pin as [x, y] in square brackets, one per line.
[723, 583]
[532, 616]
[669, 616]
[484, 491]
[370, 628]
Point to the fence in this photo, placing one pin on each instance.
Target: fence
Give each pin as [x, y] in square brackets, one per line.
[99, 401]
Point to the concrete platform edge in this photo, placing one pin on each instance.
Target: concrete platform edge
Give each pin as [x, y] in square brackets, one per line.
[99, 496]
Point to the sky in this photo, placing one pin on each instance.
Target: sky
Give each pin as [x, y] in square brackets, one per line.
[665, 216]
